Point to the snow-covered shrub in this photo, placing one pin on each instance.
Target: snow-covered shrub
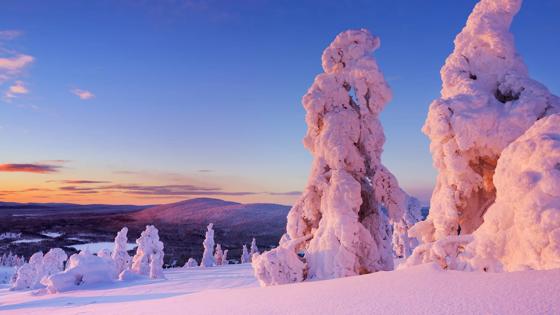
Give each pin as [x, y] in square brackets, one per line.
[148, 260]
[105, 253]
[402, 243]
[341, 207]
[29, 275]
[487, 101]
[191, 263]
[120, 255]
[207, 256]
[53, 261]
[245, 257]
[280, 265]
[521, 230]
[219, 255]
[82, 270]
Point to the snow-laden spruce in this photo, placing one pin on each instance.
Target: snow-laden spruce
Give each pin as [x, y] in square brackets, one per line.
[208, 254]
[29, 275]
[120, 255]
[245, 257]
[254, 248]
[11, 260]
[487, 101]
[219, 255]
[339, 215]
[225, 260]
[148, 260]
[521, 230]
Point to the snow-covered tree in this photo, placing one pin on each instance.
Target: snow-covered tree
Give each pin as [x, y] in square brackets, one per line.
[254, 248]
[82, 270]
[207, 256]
[521, 230]
[225, 257]
[120, 255]
[219, 255]
[11, 260]
[29, 275]
[245, 257]
[53, 261]
[148, 260]
[402, 243]
[339, 215]
[280, 265]
[191, 263]
[487, 101]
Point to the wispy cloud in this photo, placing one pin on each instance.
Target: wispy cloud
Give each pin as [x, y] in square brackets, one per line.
[83, 94]
[79, 181]
[286, 193]
[30, 168]
[18, 88]
[205, 171]
[10, 34]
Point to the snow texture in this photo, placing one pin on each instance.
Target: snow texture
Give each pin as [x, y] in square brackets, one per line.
[207, 255]
[120, 255]
[148, 260]
[521, 230]
[487, 101]
[341, 207]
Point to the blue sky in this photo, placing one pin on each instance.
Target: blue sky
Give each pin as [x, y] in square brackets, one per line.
[207, 93]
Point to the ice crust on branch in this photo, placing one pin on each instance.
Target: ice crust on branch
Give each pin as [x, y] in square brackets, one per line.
[487, 101]
[339, 215]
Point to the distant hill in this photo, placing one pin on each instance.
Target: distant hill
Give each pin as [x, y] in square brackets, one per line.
[50, 209]
[224, 214]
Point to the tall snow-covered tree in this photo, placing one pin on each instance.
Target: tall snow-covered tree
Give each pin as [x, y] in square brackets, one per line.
[245, 257]
[402, 243]
[208, 256]
[219, 255]
[225, 257]
[339, 216]
[148, 260]
[254, 248]
[487, 101]
[120, 255]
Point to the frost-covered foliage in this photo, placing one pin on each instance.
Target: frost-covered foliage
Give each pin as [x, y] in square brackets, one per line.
[521, 230]
[254, 248]
[11, 260]
[83, 269]
[219, 255]
[120, 255]
[245, 257]
[207, 256]
[280, 265]
[191, 263]
[487, 101]
[29, 275]
[341, 207]
[149, 254]
[402, 243]
[53, 261]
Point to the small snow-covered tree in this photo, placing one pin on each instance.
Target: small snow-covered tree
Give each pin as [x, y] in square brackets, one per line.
[487, 101]
[191, 263]
[245, 257]
[120, 254]
[225, 257]
[207, 256]
[339, 216]
[29, 275]
[148, 260]
[53, 261]
[254, 248]
[402, 243]
[219, 255]
[281, 265]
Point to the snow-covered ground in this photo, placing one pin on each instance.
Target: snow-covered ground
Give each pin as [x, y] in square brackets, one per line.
[31, 240]
[96, 247]
[52, 234]
[232, 289]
